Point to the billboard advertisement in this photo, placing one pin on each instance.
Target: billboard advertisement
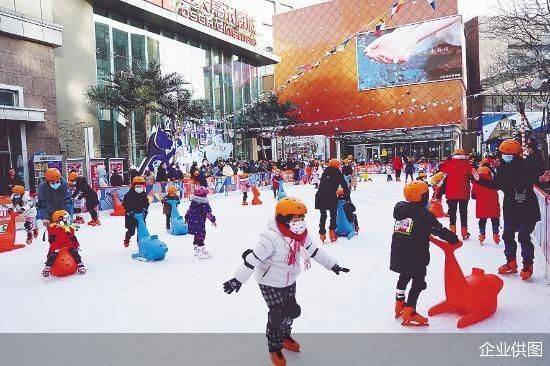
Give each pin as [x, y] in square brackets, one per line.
[411, 54]
[328, 90]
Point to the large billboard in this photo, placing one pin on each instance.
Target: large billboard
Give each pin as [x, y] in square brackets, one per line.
[410, 54]
[328, 92]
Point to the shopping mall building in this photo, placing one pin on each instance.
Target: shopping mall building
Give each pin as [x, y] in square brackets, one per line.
[51, 51]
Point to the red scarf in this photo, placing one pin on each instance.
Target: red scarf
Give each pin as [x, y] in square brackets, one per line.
[297, 241]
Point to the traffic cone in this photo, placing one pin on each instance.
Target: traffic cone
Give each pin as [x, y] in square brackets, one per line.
[118, 209]
[7, 239]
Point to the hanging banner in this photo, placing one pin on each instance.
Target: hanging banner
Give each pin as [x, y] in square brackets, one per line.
[115, 165]
[98, 173]
[76, 165]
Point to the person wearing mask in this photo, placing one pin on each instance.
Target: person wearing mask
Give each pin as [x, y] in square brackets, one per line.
[53, 195]
[162, 175]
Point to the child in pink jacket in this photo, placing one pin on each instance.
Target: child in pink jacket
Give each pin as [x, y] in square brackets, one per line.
[244, 185]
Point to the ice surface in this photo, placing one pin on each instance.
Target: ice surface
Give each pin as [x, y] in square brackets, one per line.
[184, 294]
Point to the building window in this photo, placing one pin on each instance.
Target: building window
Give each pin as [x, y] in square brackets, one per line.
[268, 10]
[138, 48]
[8, 98]
[120, 50]
[103, 51]
[228, 83]
[153, 49]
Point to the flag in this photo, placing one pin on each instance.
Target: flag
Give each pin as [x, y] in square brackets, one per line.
[396, 7]
[432, 3]
[381, 24]
[343, 45]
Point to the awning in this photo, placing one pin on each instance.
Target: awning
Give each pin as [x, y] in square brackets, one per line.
[22, 114]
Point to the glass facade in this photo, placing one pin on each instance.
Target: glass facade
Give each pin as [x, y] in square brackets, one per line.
[226, 80]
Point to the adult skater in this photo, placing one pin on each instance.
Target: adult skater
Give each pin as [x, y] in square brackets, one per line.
[515, 178]
[326, 200]
[12, 181]
[53, 195]
[458, 172]
[275, 261]
[397, 164]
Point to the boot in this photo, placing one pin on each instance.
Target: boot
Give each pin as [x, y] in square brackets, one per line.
[481, 238]
[195, 250]
[203, 253]
[35, 232]
[510, 267]
[412, 318]
[453, 228]
[78, 220]
[526, 271]
[332, 235]
[46, 271]
[277, 358]
[245, 203]
[323, 237]
[496, 238]
[464, 232]
[290, 344]
[399, 307]
[80, 268]
[29, 237]
[126, 242]
[94, 222]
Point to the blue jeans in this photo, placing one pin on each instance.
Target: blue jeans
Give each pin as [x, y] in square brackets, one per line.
[524, 238]
[495, 223]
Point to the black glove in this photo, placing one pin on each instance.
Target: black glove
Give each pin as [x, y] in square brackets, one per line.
[232, 285]
[337, 269]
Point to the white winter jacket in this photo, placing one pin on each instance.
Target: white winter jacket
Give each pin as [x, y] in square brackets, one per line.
[269, 258]
[27, 206]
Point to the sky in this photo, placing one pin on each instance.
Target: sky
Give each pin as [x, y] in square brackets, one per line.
[468, 8]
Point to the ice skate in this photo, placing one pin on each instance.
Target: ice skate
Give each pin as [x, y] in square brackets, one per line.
[526, 272]
[332, 235]
[245, 203]
[323, 237]
[46, 271]
[453, 228]
[195, 250]
[399, 308]
[204, 254]
[277, 358]
[126, 242]
[496, 238]
[464, 232]
[509, 268]
[78, 220]
[81, 269]
[94, 222]
[481, 239]
[412, 319]
[290, 344]
[35, 232]
[29, 237]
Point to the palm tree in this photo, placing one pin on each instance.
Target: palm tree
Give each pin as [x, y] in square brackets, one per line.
[179, 106]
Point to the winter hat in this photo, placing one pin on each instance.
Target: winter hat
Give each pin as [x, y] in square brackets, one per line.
[201, 191]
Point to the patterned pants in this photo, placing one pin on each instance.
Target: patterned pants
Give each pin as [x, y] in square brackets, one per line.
[277, 298]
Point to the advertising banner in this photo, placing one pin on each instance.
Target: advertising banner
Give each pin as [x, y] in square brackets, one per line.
[115, 165]
[97, 173]
[411, 54]
[75, 164]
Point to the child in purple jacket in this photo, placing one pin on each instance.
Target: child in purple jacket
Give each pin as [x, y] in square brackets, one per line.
[196, 216]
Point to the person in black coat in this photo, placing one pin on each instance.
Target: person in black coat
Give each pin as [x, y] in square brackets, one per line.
[326, 199]
[116, 179]
[410, 248]
[84, 190]
[515, 177]
[12, 181]
[162, 176]
[135, 201]
[409, 169]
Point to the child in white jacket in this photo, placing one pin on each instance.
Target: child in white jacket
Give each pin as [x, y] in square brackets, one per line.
[23, 204]
[275, 262]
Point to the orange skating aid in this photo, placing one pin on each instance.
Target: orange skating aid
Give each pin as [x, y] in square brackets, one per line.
[64, 264]
[118, 209]
[436, 208]
[474, 296]
[256, 199]
[7, 238]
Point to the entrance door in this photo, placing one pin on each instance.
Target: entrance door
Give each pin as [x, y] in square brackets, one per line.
[372, 153]
[5, 165]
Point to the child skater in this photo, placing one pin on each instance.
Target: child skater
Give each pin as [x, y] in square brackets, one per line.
[410, 254]
[275, 261]
[24, 206]
[244, 184]
[71, 179]
[135, 201]
[199, 210]
[61, 234]
[275, 181]
[389, 172]
[487, 205]
[348, 208]
[171, 195]
[83, 190]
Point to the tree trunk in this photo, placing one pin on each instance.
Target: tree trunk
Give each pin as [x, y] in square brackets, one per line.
[147, 124]
[129, 140]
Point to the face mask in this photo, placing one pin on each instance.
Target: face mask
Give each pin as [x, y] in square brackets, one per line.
[55, 185]
[139, 189]
[16, 196]
[297, 227]
[507, 158]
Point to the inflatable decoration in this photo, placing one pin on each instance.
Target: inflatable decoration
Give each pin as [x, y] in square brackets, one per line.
[118, 209]
[473, 296]
[161, 148]
[177, 222]
[343, 226]
[7, 238]
[281, 191]
[150, 247]
[64, 264]
[256, 200]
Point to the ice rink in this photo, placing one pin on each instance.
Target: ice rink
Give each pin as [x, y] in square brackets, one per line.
[183, 294]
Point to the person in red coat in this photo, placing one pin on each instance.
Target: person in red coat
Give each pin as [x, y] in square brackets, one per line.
[458, 172]
[487, 205]
[397, 163]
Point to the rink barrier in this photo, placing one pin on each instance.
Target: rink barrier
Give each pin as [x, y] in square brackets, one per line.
[542, 229]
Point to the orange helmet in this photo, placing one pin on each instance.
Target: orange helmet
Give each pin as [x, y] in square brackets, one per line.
[172, 190]
[52, 175]
[72, 176]
[340, 192]
[290, 206]
[459, 152]
[510, 146]
[485, 171]
[422, 175]
[335, 163]
[138, 180]
[20, 190]
[59, 214]
[414, 191]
